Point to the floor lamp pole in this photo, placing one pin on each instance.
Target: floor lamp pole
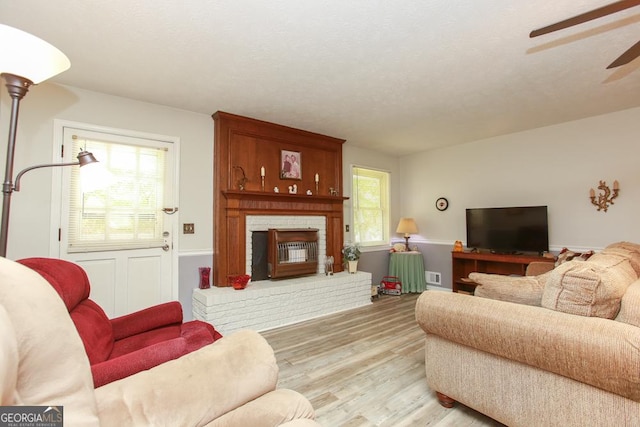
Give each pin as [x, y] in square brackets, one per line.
[18, 88]
[22, 54]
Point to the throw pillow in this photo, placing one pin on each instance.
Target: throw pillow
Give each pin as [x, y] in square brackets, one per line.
[518, 289]
[569, 255]
[592, 288]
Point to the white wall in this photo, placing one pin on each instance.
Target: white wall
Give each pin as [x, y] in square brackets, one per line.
[554, 166]
[30, 208]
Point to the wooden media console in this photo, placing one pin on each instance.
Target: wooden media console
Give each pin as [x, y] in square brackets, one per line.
[463, 263]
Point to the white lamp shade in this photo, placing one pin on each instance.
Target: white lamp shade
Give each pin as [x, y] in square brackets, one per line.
[407, 226]
[25, 55]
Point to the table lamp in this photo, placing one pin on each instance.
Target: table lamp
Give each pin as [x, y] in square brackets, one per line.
[407, 226]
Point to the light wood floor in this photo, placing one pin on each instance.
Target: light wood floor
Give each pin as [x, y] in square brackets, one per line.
[365, 367]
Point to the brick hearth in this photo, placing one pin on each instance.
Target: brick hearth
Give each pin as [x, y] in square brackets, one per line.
[269, 304]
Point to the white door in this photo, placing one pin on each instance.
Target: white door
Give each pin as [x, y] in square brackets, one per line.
[120, 228]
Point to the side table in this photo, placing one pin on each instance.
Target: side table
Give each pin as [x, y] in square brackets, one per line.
[409, 268]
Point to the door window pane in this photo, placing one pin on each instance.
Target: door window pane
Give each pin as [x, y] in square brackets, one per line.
[125, 212]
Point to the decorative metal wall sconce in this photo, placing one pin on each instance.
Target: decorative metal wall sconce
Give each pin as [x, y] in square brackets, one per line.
[605, 198]
[242, 181]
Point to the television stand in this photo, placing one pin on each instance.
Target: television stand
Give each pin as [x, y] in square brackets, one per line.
[505, 253]
[463, 263]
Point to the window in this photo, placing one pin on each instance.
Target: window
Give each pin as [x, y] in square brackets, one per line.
[125, 213]
[370, 206]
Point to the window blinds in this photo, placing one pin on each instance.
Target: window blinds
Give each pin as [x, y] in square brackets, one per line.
[124, 213]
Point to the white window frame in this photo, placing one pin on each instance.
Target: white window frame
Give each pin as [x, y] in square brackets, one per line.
[385, 206]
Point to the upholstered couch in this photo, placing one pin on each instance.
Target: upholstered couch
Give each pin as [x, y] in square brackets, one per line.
[231, 382]
[558, 349]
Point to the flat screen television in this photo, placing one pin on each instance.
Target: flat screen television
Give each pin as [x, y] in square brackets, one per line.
[509, 230]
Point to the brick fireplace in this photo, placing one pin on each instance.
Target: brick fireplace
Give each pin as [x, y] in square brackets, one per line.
[246, 147]
[247, 156]
[269, 304]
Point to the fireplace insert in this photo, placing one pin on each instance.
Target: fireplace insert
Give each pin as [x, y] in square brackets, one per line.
[292, 252]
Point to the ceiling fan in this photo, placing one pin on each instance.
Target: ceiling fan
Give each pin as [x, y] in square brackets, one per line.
[632, 53]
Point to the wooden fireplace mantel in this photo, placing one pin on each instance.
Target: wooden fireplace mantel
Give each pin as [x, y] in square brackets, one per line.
[252, 144]
[283, 201]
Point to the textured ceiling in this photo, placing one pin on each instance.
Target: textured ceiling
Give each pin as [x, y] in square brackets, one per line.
[398, 76]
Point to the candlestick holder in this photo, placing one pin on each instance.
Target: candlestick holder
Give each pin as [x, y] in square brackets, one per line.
[605, 198]
[262, 181]
[316, 187]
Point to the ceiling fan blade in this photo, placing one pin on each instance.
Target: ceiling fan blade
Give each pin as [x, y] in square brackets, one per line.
[587, 16]
[629, 55]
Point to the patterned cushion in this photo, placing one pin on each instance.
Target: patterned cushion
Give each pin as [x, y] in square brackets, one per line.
[569, 255]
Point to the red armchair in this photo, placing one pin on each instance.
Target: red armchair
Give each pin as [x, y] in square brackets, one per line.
[125, 345]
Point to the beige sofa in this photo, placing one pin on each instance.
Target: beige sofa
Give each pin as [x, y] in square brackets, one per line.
[231, 382]
[559, 349]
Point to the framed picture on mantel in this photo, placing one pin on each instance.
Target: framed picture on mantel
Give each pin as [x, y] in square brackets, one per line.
[290, 164]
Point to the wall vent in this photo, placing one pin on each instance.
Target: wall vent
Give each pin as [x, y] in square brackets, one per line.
[433, 278]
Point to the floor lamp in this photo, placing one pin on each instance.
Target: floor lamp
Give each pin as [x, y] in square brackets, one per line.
[25, 60]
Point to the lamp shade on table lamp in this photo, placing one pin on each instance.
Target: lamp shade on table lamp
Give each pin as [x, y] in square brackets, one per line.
[407, 226]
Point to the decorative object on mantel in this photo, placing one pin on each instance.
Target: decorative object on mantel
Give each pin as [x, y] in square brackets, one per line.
[239, 281]
[276, 190]
[351, 255]
[309, 193]
[242, 181]
[205, 273]
[605, 198]
[457, 246]
[333, 191]
[290, 164]
[262, 174]
[317, 180]
[407, 226]
[293, 189]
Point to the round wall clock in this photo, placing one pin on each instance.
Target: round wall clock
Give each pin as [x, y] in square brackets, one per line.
[442, 204]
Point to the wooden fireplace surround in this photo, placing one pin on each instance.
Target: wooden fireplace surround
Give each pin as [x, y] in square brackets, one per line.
[252, 144]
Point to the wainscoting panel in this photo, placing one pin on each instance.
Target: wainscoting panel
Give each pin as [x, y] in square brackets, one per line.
[189, 278]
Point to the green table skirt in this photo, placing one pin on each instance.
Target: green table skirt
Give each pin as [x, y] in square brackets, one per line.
[409, 268]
